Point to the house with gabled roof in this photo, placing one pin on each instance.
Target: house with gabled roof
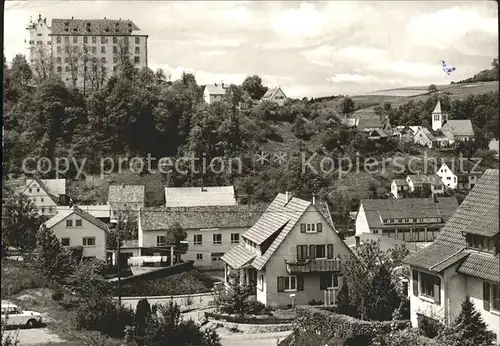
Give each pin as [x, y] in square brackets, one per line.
[46, 194]
[125, 198]
[425, 138]
[199, 196]
[461, 175]
[75, 227]
[399, 187]
[212, 230]
[291, 255]
[408, 219]
[425, 184]
[275, 95]
[369, 125]
[214, 92]
[452, 130]
[464, 260]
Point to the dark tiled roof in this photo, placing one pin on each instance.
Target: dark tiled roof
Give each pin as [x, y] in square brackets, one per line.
[386, 243]
[238, 256]
[101, 27]
[401, 182]
[126, 194]
[477, 214]
[420, 178]
[161, 218]
[325, 210]
[369, 123]
[375, 209]
[459, 127]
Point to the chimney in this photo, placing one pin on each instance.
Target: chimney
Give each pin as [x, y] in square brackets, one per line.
[357, 241]
[314, 199]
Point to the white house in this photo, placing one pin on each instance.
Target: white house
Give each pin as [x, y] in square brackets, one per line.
[125, 198]
[399, 187]
[422, 183]
[461, 177]
[408, 219]
[46, 194]
[291, 255]
[75, 227]
[214, 92]
[464, 260]
[447, 176]
[275, 95]
[211, 230]
[199, 196]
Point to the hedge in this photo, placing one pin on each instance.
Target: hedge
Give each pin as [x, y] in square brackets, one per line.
[264, 319]
[311, 320]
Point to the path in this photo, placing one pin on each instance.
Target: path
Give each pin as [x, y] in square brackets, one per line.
[35, 336]
[263, 339]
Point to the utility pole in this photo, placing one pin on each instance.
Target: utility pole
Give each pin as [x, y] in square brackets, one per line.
[118, 267]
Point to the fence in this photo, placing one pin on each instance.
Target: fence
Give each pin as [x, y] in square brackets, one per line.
[185, 301]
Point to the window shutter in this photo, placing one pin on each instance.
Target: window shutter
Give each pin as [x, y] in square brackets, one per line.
[281, 283]
[299, 252]
[300, 283]
[329, 249]
[319, 227]
[437, 294]
[486, 296]
[322, 282]
[302, 228]
[312, 251]
[415, 283]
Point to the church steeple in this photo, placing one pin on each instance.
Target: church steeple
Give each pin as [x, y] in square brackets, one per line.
[438, 117]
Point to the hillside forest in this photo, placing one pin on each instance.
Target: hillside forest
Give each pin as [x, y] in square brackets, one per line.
[140, 112]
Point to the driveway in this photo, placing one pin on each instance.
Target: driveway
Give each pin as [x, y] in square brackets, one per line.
[34, 336]
[262, 339]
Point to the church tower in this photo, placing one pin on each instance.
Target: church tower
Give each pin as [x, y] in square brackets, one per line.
[438, 117]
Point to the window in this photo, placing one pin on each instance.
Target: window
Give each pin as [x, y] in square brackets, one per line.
[160, 240]
[301, 252]
[94, 39]
[58, 39]
[41, 199]
[235, 238]
[115, 60]
[481, 243]
[115, 40]
[103, 60]
[115, 50]
[290, 283]
[66, 39]
[125, 39]
[78, 223]
[69, 223]
[66, 68]
[430, 286]
[436, 117]
[114, 68]
[75, 39]
[199, 256]
[136, 59]
[137, 50]
[58, 60]
[491, 296]
[39, 42]
[59, 69]
[103, 50]
[495, 297]
[137, 40]
[216, 256]
[448, 178]
[217, 239]
[65, 241]
[88, 241]
[85, 39]
[103, 39]
[320, 251]
[94, 50]
[58, 49]
[197, 239]
[329, 281]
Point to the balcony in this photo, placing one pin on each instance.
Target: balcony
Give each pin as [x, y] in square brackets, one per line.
[313, 266]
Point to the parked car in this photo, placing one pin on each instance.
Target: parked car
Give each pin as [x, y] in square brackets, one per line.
[13, 315]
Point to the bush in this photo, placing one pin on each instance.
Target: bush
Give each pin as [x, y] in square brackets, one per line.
[315, 302]
[429, 327]
[57, 296]
[312, 320]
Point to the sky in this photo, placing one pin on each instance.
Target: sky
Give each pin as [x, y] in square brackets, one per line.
[310, 49]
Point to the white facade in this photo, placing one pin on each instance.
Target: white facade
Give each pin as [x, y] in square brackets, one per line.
[453, 288]
[450, 180]
[73, 230]
[362, 222]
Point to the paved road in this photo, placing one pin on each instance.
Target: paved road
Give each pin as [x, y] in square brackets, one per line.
[34, 336]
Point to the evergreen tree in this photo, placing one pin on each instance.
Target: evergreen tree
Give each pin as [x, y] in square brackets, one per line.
[468, 329]
[52, 259]
[142, 314]
[343, 303]
[383, 298]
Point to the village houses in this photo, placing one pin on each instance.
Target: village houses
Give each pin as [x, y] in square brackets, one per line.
[291, 255]
[214, 92]
[458, 177]
[275, 95]
[408, 219]
[125, 198]
[75, 227]
[464, 260]
[420, 183]
[46, 194]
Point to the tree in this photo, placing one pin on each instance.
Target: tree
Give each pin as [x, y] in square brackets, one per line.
[469, 328]
[347, 106]
[167, 325]
[175, 235]
[20, 223]
[233, 298]
[253, 86]
[432, 88]
[142, 314]
[42, 65]
[52, 259]
[20, 71]
[383, 298]
[343, 303]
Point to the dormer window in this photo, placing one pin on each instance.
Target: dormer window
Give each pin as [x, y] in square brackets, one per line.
[482, 243]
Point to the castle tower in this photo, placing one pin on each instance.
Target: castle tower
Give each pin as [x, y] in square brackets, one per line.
[438, 117]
